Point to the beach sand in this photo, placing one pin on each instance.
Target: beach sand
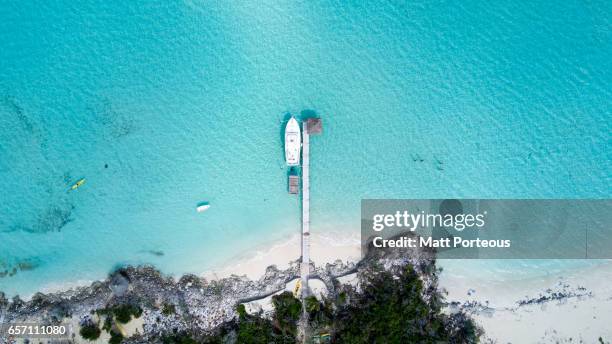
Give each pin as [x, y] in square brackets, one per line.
[324, 248]
[570, 319]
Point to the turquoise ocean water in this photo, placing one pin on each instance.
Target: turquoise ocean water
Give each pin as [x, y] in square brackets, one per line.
[161, 106]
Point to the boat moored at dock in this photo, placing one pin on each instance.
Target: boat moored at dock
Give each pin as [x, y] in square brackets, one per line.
[293, 142]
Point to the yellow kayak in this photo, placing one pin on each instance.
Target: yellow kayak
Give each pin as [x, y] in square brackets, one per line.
[78, 184]
[298, 286]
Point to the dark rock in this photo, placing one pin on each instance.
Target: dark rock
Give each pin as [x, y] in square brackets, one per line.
[119, 285]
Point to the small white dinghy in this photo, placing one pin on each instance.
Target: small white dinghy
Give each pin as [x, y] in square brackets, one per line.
[202, 207]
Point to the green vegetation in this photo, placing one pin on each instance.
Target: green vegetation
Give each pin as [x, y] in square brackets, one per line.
[179, 339]
[287, 312]
[115, 338]
[251, 329]
[90, 331]
[391, 307]
[119, 313]
[242, 313]
[312, 305]
[108, 323]
[122, 313]
[254, 330]
[320, 314]
[168, 309]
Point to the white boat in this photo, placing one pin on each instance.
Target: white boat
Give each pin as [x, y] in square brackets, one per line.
[293, 142]
[202, 208]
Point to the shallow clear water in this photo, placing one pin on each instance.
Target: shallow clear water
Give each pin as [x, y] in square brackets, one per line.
[184, 102]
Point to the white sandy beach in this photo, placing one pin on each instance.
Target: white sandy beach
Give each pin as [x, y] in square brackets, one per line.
[574, 319]
[324, 248]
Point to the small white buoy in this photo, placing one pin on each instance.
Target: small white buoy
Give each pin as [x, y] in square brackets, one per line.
[203, 207]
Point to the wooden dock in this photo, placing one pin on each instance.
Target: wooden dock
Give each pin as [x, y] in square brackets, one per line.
[312, 126]
[305, 266]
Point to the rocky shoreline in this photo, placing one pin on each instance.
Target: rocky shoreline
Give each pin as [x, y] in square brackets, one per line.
[201, 304]
[198, 305]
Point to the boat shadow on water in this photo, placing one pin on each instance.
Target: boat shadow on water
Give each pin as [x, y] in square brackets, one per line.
[294, 171]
